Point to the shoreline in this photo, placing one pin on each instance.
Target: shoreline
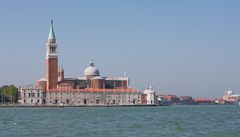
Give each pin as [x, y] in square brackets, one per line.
[139, 105]
[42, 106]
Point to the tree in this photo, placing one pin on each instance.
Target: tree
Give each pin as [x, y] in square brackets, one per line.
[8, 93]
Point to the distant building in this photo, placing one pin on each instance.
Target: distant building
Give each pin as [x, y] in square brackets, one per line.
[169, 99]
[186, 100]
[230, 97]
[203, 101]
[150, 96]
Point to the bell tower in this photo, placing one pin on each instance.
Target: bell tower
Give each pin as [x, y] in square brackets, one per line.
[51, 60]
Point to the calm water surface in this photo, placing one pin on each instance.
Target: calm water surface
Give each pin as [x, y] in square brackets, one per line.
[177, 121]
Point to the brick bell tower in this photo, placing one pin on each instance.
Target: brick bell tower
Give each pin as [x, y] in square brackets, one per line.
[51, 61]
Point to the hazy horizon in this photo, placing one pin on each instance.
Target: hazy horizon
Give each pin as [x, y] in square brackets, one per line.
[179, 47]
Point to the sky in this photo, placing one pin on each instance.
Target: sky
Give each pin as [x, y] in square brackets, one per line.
[179, 47]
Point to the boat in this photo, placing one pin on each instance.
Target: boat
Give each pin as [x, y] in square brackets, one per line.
[61, 105]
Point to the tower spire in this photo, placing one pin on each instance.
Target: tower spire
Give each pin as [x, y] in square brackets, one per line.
[51, 35]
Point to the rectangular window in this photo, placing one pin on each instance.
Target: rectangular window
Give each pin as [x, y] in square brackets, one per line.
[97, 101]
[67, 101]
[56, 101]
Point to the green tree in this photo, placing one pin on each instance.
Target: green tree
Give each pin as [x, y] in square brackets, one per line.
[8, 93]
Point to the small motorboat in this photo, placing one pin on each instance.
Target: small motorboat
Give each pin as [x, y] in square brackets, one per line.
[61, 105]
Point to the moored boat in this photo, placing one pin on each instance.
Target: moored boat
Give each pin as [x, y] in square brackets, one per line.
[61, 105]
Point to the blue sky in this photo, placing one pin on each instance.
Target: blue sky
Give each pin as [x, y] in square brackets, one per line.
[180, 47]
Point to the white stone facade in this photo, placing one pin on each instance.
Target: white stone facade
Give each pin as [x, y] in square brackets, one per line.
[31, 95]
[151, 96]
[94, 98]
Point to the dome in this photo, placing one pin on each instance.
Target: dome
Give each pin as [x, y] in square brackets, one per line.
[91, 71]
[229, 92]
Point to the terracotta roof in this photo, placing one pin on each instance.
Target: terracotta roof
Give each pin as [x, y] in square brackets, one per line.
[92, 90]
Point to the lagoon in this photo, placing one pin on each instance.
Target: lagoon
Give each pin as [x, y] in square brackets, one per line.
[166, 121]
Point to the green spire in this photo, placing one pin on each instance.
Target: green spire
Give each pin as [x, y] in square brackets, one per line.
[51, 34]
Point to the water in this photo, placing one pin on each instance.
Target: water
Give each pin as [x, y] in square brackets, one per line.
[177, 121]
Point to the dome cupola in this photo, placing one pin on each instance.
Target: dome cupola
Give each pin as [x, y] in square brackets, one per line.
[91, 71]
[229, 92]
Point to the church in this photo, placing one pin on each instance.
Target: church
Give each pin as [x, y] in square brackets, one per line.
[90, 89]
